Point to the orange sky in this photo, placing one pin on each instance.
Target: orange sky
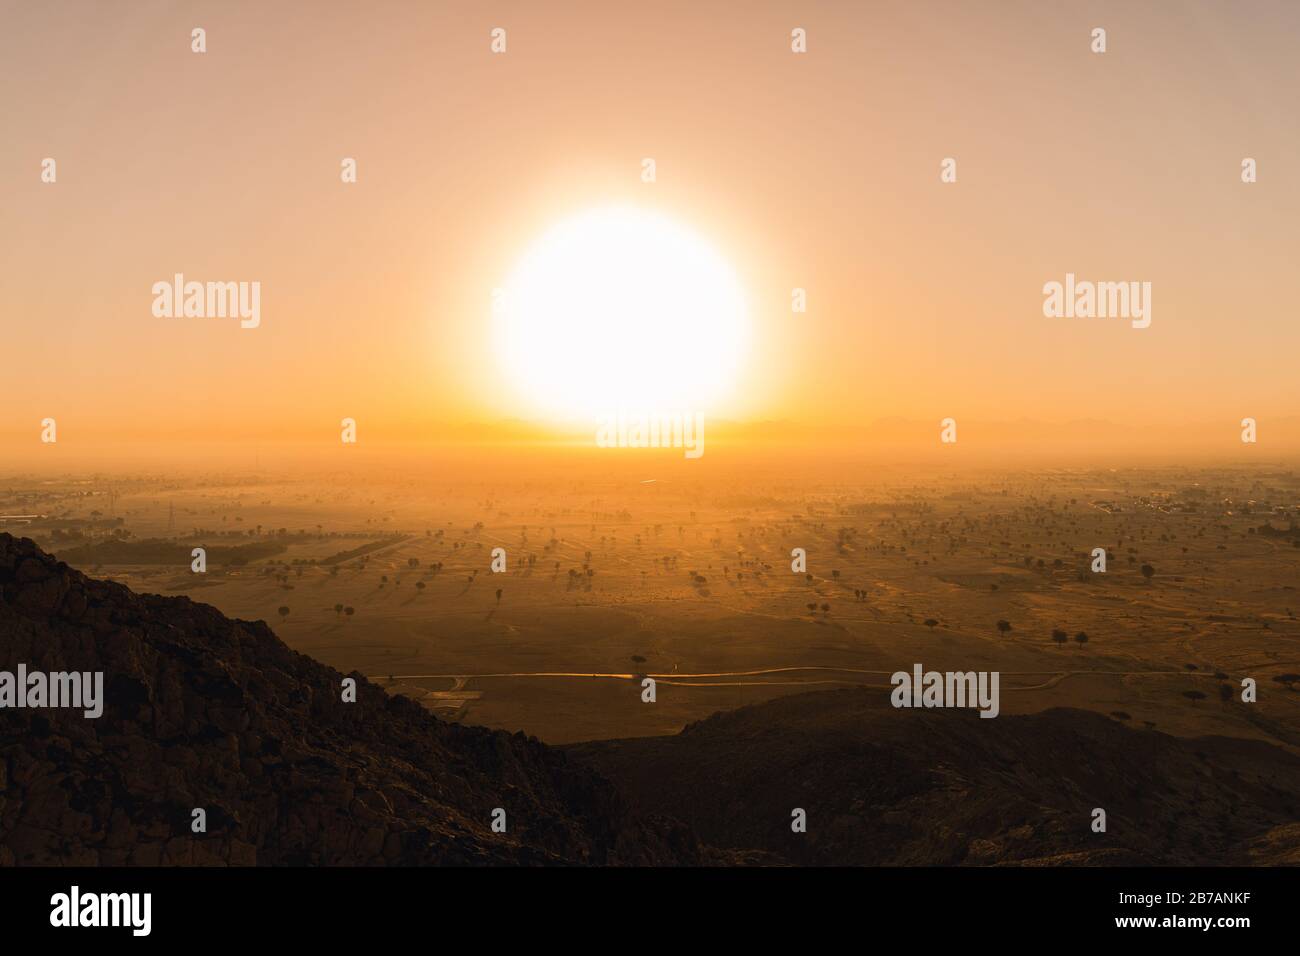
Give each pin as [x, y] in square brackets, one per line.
[818, 170]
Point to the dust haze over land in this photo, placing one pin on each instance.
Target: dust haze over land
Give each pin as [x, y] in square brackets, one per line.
[623, 565]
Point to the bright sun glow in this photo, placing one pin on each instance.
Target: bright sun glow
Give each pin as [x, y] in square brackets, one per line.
[621, 309]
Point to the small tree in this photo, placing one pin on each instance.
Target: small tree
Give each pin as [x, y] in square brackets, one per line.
[1004, 626]
[1081, 638]
[1148, 572]
[284, 612]
[1059, 636]
[930, 623]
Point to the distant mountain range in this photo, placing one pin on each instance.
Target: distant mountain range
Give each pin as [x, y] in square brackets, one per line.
[1275, 434]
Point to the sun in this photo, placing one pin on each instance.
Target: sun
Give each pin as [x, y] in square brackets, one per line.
[620, 309]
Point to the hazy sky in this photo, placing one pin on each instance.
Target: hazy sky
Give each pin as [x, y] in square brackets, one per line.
[818, 170]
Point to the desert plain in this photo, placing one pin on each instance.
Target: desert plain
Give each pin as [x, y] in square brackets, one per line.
[622, 567]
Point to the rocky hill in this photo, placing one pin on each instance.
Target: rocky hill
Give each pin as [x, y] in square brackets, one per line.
[909, 787]
[206, 712]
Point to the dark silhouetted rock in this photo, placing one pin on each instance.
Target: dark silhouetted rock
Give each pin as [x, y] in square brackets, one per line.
[204, 711]
[922, 787]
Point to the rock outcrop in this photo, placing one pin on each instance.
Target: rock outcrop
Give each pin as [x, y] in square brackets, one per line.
[205, 712]
[944, 787]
